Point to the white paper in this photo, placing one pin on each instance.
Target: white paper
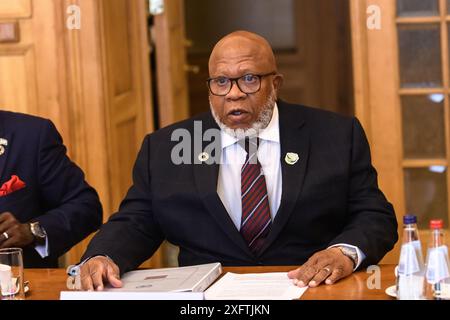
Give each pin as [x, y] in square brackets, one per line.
[254, 286]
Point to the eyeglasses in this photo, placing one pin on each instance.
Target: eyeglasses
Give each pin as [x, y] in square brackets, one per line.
[248, 83]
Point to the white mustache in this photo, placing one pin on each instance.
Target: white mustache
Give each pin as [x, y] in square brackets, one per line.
[261, 123]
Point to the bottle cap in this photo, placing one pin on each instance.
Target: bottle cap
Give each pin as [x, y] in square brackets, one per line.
[409, 219]
[436, 224]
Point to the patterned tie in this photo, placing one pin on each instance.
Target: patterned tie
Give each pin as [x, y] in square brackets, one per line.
[255, 221]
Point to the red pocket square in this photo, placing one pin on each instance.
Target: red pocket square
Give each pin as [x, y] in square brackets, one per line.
[12, 185]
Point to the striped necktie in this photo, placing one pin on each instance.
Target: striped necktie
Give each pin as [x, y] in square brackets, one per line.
[255, 221]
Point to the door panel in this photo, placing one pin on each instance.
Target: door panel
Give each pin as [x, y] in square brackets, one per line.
[17, 79]
[15, 9]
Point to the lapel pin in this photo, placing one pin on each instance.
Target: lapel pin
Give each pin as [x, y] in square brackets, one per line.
[3, 144]
[204, 156]
[291, 158]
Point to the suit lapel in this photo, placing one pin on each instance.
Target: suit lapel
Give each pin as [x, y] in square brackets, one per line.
[7, 137]
[294, 138]
[206, 176]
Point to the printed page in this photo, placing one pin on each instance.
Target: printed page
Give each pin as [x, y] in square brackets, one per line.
[254, 286]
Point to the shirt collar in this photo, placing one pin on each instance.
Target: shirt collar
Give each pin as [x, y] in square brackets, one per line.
[270, 133]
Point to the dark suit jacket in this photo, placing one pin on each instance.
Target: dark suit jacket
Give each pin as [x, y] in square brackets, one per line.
[56, 193]
[329, 196]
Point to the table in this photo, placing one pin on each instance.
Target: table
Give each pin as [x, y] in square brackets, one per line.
[46, 284]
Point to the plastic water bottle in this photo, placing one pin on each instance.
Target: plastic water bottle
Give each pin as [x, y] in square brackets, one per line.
[411, 269]
[437, 285]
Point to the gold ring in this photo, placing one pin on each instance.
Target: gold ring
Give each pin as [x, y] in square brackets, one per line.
[327, 269]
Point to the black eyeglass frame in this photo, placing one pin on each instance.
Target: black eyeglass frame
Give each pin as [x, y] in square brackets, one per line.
[260, 76]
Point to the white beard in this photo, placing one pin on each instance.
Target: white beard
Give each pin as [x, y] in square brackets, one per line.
[263, 121]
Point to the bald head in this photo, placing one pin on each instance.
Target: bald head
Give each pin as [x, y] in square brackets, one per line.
[239, 46]
[244, 64]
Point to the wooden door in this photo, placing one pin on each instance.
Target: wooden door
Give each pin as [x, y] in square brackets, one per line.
[92, 82]
[401, 65]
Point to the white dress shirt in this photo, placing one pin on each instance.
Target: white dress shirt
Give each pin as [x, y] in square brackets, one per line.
[233, 157]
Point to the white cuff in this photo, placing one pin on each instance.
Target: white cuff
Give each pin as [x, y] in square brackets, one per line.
[42, 249]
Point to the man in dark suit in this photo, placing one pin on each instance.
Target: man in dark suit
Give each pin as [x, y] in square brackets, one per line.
[46, 206]
[280, 184]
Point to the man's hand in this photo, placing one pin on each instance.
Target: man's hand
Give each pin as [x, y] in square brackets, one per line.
[328, 265]
[98, 271]
[13, 233]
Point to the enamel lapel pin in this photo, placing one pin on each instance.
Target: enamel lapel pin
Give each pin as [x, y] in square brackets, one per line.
[3, 144]
[204, 156]
[291, 158]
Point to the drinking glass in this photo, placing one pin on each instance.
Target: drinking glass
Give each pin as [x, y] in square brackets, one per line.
[11, 274]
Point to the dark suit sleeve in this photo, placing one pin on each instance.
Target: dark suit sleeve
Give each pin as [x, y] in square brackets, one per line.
[72, 207]
[132, 234]
[372, 225]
